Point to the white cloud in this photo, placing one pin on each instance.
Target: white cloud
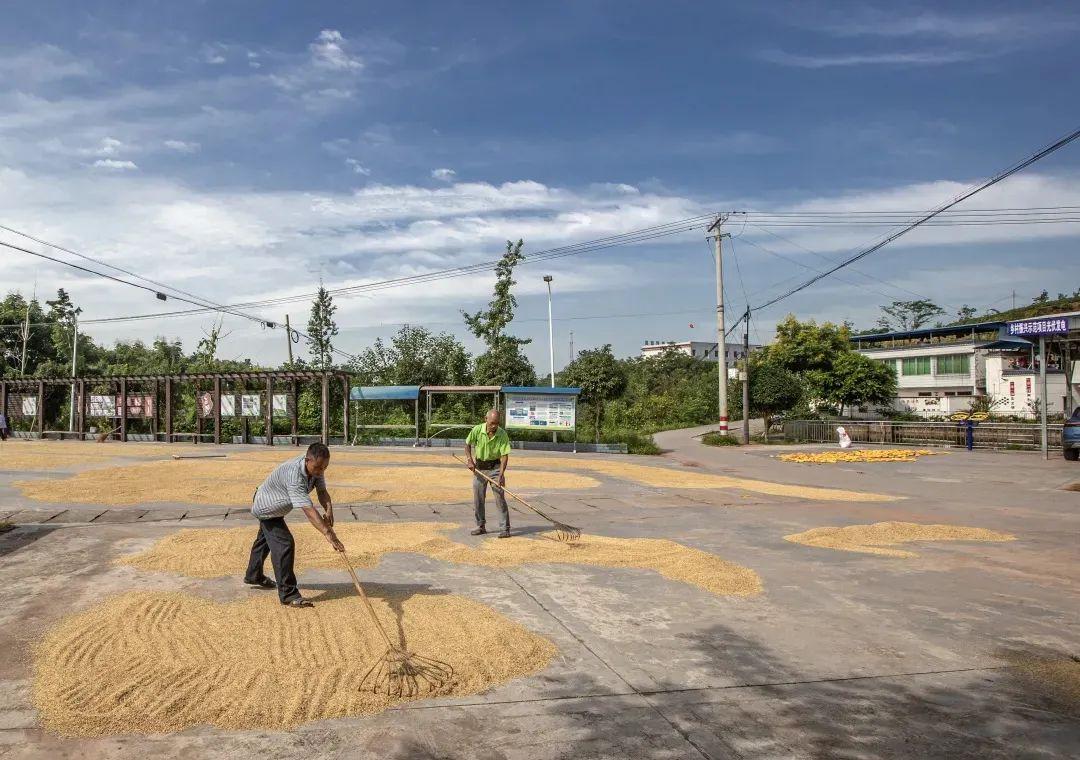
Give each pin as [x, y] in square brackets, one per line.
[1006, 27]
[42, 65]
[357, 167]
[214, 54]
[443, 175]
[903, 58]
[115, 165]
[182, 146]
[109, 146]
[329, 51]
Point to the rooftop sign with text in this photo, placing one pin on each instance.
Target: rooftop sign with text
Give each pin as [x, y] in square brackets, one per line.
[1036, 327]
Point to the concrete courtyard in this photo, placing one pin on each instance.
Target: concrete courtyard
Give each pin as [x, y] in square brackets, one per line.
[967, 650]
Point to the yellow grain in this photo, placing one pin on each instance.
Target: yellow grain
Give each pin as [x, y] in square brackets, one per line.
[858, 455]
[211, 553]
[874, 539]
[149, 662]
[232, 482]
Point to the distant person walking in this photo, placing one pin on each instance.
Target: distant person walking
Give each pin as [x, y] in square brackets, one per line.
[287, 487]
[487, 450]
[3, 427]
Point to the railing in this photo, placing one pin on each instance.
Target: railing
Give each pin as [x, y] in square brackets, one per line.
[987, 435]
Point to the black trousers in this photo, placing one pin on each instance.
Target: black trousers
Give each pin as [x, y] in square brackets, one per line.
[276, 540]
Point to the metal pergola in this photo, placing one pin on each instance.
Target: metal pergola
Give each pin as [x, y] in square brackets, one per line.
[122, 384]
[432, 390]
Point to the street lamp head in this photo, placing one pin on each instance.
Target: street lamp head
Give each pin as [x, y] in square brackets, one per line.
[548, 278]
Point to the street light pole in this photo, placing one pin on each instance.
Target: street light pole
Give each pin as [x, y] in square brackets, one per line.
[721, 337]
[551, 344]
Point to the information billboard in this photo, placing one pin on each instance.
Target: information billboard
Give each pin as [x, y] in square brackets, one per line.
[533, 411]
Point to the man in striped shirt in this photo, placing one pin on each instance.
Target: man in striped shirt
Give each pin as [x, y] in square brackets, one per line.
[287, 487]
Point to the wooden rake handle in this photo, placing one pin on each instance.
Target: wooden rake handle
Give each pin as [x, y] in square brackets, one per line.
[505, 490]
[367, 602]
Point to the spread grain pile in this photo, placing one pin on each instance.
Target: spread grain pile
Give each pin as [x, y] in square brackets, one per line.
[876, 538]
[147, 662]
[210, 553]
[232, 482]
[858, 455]
[433, 479]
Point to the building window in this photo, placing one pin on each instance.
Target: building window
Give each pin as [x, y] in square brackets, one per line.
[917, 365]
[954, 364]
[924, 394]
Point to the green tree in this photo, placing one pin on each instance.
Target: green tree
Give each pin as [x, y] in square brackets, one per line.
[966, 313]
[856, 379]
[908, 315]
[322, 330]
[415, 356]
[773, 389]
[601, 378]
[39, 349]
[503, 363]
[806, 346]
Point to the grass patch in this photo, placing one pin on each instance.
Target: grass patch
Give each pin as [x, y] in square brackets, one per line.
[6, 526]
[716, 439]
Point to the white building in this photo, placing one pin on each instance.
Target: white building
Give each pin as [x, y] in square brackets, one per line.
[696, 348]
[940, 370]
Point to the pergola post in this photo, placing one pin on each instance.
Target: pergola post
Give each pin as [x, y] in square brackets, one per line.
[80, 420]
[168, 411]
[156, 409]
[3, 397]
[345, 410]
[269, 411]
[416, 423]
[217, 410]
[123, 409]
[325, 408]
[41, 408]
[294, 414]
[427, 419]
[198, 413]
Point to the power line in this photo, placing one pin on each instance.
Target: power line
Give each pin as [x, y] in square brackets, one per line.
[929, 216]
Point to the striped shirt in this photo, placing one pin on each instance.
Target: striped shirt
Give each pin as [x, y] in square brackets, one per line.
[286, 487]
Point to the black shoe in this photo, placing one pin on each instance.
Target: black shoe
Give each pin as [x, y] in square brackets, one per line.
[264, 583]
[479, 531]
[505, 534]
[298, 602]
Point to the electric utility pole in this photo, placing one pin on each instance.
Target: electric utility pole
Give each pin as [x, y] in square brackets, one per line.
[746, 377]
[721, 342]
[288, 339]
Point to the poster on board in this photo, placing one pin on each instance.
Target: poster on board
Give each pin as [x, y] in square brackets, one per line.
[249, 405]
[206, 404]
[228, 406]
[281, 405]
[102, 406]
[528, 411]
[29, 406]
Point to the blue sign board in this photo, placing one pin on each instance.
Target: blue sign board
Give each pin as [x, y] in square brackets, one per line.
[1036, 327]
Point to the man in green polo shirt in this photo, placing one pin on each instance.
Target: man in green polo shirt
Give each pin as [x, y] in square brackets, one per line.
[487, 450]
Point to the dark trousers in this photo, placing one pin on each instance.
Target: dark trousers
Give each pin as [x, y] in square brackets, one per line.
[276, 540]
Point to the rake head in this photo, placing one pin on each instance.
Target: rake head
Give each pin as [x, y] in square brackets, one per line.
[568, 534]
[401, 674]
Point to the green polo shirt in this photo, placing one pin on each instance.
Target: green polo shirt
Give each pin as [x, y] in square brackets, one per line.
[487, 448]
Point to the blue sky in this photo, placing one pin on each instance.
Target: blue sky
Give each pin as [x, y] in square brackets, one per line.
[241, 150]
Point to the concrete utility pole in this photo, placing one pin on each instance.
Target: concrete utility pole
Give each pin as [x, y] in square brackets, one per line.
[721, 342]
[746, 377]
[571, 345]
[288, 338]
[551, 344]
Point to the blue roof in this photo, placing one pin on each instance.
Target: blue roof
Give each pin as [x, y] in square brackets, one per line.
[384, 392]
[541, 390]
[946, 330]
